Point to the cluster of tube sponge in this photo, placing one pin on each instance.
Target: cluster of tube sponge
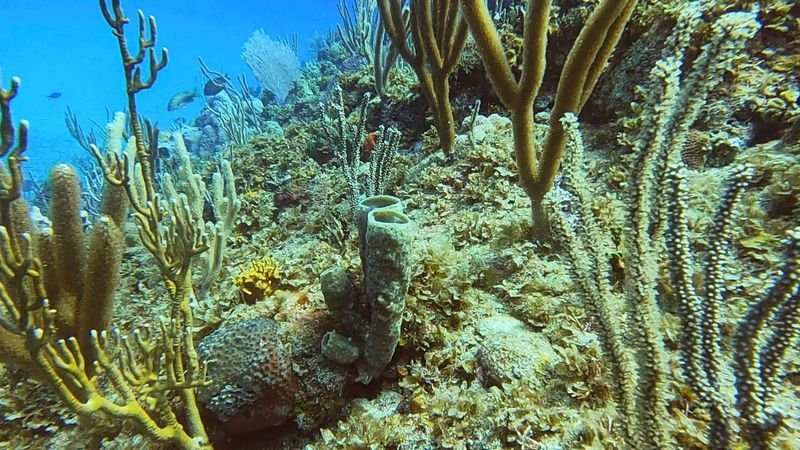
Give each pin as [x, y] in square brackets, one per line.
[368, 318]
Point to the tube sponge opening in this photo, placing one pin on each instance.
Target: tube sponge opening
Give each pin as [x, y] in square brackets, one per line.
[387, 216]
[380, 201]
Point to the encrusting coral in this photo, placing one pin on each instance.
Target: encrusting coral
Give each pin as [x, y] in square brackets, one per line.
[258, 280]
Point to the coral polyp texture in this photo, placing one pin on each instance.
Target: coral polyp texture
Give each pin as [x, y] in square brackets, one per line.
[252, 385]
[446, 224]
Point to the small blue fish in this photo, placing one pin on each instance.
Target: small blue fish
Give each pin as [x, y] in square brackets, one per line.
[181, 99]
[53, 95]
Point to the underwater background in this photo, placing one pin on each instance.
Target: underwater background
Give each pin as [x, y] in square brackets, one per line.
[400, 224]
[53, 48]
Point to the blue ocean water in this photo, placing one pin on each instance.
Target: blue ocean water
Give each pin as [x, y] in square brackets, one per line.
[60, 46]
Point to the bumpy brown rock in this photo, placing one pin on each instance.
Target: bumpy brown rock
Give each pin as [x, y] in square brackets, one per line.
[513, 353]
[252, 384]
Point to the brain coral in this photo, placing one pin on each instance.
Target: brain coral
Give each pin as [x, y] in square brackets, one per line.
[252, 384]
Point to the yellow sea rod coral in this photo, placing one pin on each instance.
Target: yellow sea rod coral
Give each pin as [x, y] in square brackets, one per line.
[259, 279]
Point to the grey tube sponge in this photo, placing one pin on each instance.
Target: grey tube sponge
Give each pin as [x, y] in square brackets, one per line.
[338, 348]
[370, 317]
[340, 295]
[363, 209]
[387, 274]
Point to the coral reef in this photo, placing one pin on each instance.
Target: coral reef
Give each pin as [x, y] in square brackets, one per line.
[660, 313]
